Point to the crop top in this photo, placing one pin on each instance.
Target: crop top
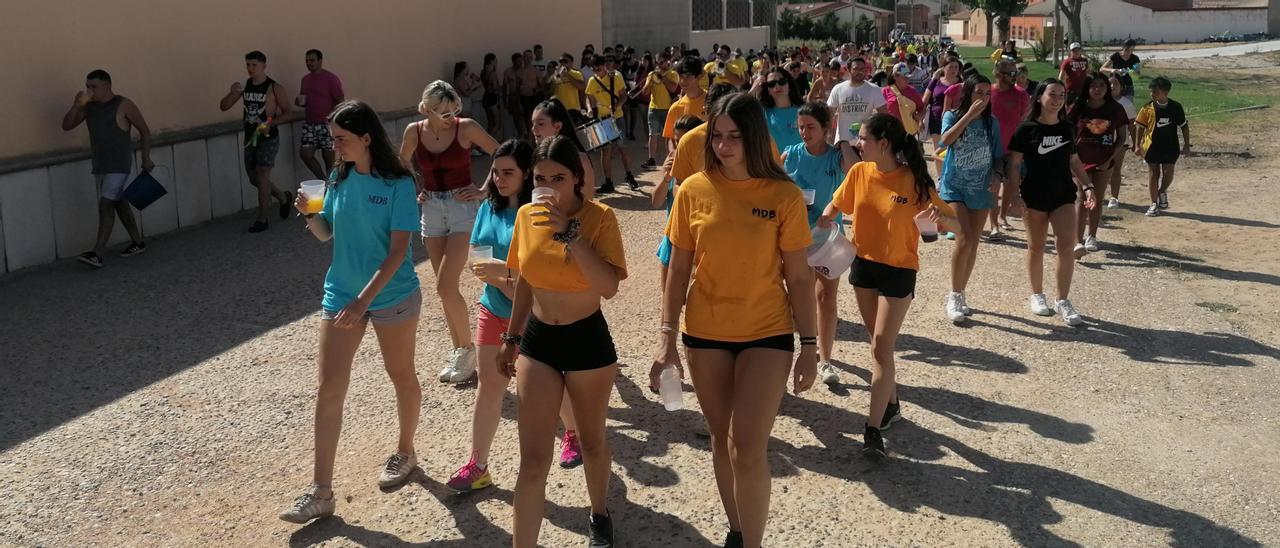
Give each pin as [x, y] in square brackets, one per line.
[449, 169]
[544, 263]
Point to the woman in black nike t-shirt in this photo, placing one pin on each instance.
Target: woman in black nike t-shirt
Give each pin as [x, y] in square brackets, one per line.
[1045, 145]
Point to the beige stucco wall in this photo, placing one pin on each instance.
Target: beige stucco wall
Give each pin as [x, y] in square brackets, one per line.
[176, 59]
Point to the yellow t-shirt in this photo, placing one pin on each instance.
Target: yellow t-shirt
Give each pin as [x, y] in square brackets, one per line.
[684, 105]
[659, 95]
[598, 88]
[691, 153]
[544, 263]
[734, 66]
[884, 207]
[738, 231]
[566, 91]
[1147, 119]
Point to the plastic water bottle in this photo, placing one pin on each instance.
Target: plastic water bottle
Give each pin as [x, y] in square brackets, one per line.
[670, 389]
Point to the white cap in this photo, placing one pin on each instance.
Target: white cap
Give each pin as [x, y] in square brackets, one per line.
[1075, 45]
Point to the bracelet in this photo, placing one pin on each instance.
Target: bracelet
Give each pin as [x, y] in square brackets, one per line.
[666, 329]
[1087, 189]
[808, 341]
[512, 339]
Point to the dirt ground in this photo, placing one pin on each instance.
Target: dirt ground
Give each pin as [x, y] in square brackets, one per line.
[166, 400]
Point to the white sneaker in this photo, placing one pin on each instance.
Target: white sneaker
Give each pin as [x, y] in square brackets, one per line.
[1153, 210]
[954, 311]
[397, 469]
[462, 366]
[308, 507]
[1080, 251]
[828, 374]
[1113, 203]
[1040, 305]
[1091, 244]
[1069, 314]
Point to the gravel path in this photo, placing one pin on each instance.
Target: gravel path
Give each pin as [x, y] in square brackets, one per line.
[166, 401]
[1222, 51]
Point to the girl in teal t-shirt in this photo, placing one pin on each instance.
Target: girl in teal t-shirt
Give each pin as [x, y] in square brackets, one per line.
[370, 214]
[818, 168]
[781, 98]
[510, 186]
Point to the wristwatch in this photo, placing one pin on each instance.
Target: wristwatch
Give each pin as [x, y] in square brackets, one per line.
[512, 339]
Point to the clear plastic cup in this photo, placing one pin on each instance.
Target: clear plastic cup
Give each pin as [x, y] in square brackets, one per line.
[481, 253]
[670, 389]
[809, 195]
[544, 195]
[314, 191]
[928, 229]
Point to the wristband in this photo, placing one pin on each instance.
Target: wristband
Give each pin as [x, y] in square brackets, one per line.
[666, 329]
[808, 341]
[512, 339]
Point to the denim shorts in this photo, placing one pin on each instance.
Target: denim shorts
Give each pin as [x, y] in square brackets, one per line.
[262, 154]
[657, 120]
[408, 307]
[972, 198]
[443, 215]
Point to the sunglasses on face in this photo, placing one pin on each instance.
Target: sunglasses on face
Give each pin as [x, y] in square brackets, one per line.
[448, 115]
[774, 84]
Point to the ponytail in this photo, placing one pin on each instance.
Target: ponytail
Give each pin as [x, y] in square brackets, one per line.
[906, 147]
[913, 153]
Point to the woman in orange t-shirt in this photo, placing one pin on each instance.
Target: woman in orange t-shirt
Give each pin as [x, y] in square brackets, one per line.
[568, 251]
[740, 229]
[884, 196]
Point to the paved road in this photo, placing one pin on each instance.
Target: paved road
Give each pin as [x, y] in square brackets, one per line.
[1238, 49]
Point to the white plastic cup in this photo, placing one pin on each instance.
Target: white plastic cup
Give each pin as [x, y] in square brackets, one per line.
[314, 191]
[544, 194]
[480, 253]
[670, 389]
[928, 229]
[302, 100]
[809, 195]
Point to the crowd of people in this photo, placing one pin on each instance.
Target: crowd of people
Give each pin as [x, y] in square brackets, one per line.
[763, 155]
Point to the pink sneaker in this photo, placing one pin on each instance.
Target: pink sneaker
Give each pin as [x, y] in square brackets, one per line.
[570, 450]
[470, 477]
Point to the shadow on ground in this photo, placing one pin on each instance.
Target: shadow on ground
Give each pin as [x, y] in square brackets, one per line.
[87, 338]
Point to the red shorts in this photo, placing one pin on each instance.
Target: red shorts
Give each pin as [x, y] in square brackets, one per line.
[489, 328]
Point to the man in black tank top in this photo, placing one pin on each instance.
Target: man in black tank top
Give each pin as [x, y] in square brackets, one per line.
[266, 105]
[110, 119]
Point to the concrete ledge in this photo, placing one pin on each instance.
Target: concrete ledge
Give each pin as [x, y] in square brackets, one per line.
[50, 211]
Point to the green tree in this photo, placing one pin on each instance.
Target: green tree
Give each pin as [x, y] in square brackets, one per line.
[1073, 11]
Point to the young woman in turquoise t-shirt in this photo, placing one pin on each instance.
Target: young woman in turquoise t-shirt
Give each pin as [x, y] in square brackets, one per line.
[370, 214]
[818, 167]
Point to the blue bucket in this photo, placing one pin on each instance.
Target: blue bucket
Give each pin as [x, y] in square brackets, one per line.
[144, 190]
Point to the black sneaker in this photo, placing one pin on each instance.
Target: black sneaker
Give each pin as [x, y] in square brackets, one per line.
[631, 181]
[257, 226]
[286, 205]
[873, 444]
[1164, 200]
[134, 249]
[90, 258]
[733, 539]
[601, 531]
[892, 414]
[606, 188]
[649, 164]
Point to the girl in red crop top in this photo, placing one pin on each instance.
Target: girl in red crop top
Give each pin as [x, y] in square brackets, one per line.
[439, 150]
[569, 254]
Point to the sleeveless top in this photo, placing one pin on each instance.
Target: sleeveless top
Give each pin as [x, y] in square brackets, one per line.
[109, 146]
[255, 106]
[449, 169]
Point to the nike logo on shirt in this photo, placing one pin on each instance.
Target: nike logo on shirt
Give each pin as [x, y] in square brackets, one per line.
[1050, 144]
[1162, 122]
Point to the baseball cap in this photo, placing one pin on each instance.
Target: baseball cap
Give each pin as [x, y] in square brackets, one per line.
[1075, 45]
[902, 68]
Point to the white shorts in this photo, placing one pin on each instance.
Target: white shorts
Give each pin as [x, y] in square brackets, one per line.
[443, 215]
[111, 185]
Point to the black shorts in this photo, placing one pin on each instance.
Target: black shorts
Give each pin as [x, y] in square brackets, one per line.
[489, 100]
[785, 343]
[580, 346]
[1162, 155]
[1040, 198]
[528, 103]
[890, 281]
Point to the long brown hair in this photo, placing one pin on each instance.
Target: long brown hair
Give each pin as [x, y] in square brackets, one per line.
[757, 145]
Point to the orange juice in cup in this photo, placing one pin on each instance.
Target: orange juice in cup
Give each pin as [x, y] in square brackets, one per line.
[542, 195]
[314, 192]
